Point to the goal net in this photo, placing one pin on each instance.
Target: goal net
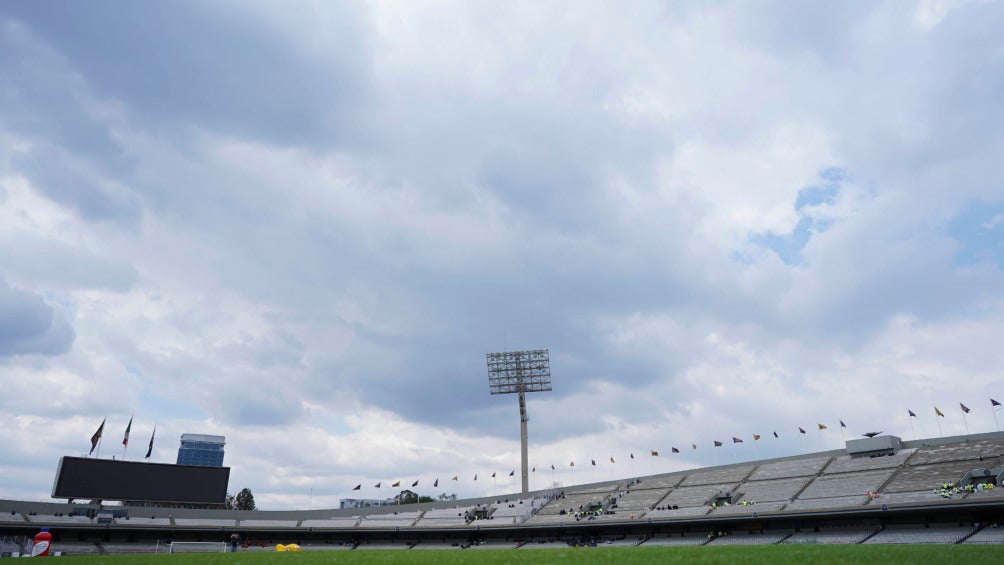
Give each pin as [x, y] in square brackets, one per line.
[197, 547]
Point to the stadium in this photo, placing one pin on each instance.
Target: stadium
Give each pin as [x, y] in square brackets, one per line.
[877, 490]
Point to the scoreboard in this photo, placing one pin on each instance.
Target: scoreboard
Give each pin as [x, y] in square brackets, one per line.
[108, 479]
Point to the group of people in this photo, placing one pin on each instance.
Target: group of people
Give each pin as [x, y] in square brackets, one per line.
[949, 489]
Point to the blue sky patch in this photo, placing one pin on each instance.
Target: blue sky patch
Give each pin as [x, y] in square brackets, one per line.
[979, 230]
[789, 246]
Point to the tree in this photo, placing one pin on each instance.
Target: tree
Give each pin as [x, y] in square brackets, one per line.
[406, 497]
[244, 500]
[447, 497]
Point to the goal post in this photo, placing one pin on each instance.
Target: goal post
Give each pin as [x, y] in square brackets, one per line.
[197, 547]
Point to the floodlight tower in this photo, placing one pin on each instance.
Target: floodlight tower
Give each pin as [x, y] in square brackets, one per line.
[520, 372]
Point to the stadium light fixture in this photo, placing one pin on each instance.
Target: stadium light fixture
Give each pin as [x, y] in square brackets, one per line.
[520, 372]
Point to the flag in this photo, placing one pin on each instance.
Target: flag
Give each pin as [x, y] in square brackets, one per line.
[718, 443]
[149, 448]
[938, 412]
[493, 475]
[414, 484]
[594, 462]
[842, 424]
[552, 467]
[736, 440]
[632, 456]
[821, 426]
[377, 485]
[359, 486]
[964, 408]
[436, 482]
[801, 430]
[994, 402]
[513, 472]
[756, 437]
[454, 478]
[475, 476]
[910, 412]
[125, 439]
[534, 470]
[655, 453]
[775, 434]
[612, 459]
[693, 446]
[97, 435]
[396, 484]
[674, 450]
[571, 463]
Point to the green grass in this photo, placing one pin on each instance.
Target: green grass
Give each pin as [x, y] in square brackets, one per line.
[969, 554]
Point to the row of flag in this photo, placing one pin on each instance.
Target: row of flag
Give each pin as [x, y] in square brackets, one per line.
[96, 437]
[994, 405]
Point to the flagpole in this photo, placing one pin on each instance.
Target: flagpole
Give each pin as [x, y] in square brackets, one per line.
[964, 422]
[912, 428]
[936, 419]
[996, 425]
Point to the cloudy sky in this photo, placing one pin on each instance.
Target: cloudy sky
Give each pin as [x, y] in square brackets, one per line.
[303, 225]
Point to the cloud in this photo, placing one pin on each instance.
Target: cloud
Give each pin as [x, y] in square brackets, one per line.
[303, 229]
[28, 325]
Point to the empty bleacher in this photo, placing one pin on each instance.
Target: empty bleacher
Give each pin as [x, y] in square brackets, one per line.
[677, 540]
[987, 535]
[789, 468]
[139, 521]
[840, 485]
[758, 508]
[395, 520]
[43, 519]
[920, 534]
[834, 502]
[331, 523]
[268, 524]
[830, 537]
[774, 490]
[205, 522]
[745, 538]
[848, 464]
[960, 451]
[722, 475]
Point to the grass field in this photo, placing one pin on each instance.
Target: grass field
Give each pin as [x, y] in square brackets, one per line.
[969, 554]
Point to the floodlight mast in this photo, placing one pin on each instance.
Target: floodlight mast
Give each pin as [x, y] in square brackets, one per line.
[520, 372]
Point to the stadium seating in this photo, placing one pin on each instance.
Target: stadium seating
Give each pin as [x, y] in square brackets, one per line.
[847, 464]
[830, 537]
[987, 535]
[921, 535]
[831, 485]
[676, 540]
[962, 451]
[732, 474]
[831, 495]
[331, 523]
[205, 522]
[695, 495]
[789, 468]
[743, 538]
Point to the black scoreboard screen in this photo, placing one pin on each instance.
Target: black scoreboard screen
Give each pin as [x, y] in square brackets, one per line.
[108, 479]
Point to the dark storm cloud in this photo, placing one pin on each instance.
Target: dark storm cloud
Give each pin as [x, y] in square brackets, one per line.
[30, 326]
[206, 65]
[51, 172]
